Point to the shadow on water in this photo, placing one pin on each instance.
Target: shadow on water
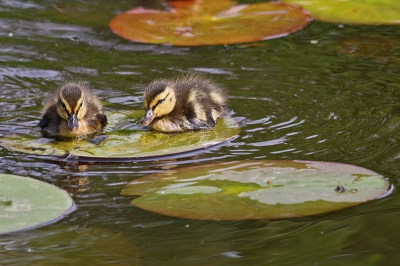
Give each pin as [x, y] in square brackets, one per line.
[295, 99]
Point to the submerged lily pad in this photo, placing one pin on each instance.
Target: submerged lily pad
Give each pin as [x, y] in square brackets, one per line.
[209, 22]
[68, 245]
[369, 12]
[125, 144]
[242, 190]
[380, 49]
[27, 203]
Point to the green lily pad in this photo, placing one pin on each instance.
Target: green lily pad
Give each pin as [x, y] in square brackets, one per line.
[242, 190]
[369, 12]
[209, 22]
[27, 203]
[68, 245]
[121, 144]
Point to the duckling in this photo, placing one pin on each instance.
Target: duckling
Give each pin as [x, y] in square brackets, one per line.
[189, 103]
[72, 111]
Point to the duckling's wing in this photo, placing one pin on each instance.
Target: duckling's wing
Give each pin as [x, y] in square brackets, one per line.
[103, 119]
[50, 121]
[196, 123]
[96, 122]
[44, 122]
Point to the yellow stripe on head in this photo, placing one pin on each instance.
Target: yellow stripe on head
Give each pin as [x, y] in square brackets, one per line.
[71, 100]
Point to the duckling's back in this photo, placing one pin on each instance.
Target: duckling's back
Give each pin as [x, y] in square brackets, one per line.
[201, 100]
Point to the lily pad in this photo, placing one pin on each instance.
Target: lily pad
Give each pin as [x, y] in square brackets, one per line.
[27, 203]
[369, 12]
[380, 49]
[209, 22]
[121, 144]
[242, 190]
[68, 245]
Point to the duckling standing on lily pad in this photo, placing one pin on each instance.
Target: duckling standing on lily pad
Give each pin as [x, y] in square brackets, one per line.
[73, 111]
[188, 103]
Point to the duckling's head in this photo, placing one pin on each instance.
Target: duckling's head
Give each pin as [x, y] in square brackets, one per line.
[159, 101]
[72, 105]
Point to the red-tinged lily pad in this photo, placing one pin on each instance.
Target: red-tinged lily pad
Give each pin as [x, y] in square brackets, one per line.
[28, 203]
[121, 144]
[241, 190]
[68, 245]
[369, 12]
[209, 22]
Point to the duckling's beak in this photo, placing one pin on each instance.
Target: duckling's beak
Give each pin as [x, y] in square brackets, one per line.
[73, 122]
[147, 118]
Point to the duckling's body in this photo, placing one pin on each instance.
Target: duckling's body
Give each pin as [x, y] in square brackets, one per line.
[188, 103]
[72, 111]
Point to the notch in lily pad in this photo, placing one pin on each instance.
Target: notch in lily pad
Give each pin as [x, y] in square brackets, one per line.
[250, 190]
[209, 22]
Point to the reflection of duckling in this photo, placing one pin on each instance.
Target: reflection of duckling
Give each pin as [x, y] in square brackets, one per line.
[188, 103]
[72, 111]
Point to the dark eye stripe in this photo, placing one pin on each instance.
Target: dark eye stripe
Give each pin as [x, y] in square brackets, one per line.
[159, 101]
[64, 106]
[79, 107]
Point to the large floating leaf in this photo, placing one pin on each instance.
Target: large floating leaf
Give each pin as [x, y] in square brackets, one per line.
[256, 189]
[27, 203]
[124, 144]
[68, 245]
[370, 12]
[209, 22]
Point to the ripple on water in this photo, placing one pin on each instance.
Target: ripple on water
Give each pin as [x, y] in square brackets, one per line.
[21, 72]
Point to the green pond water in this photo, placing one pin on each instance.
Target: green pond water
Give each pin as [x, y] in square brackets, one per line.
[326, 93]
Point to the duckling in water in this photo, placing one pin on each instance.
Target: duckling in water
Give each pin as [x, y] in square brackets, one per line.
[72, 111]
[188, 103]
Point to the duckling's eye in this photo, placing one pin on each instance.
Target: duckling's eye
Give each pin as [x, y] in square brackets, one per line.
[160, 101]
[63, 105]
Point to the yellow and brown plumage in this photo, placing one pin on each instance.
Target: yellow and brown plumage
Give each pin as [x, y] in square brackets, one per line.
[72, 111]
[188, 103]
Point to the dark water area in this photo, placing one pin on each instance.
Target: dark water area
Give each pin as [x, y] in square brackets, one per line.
[326, 93]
